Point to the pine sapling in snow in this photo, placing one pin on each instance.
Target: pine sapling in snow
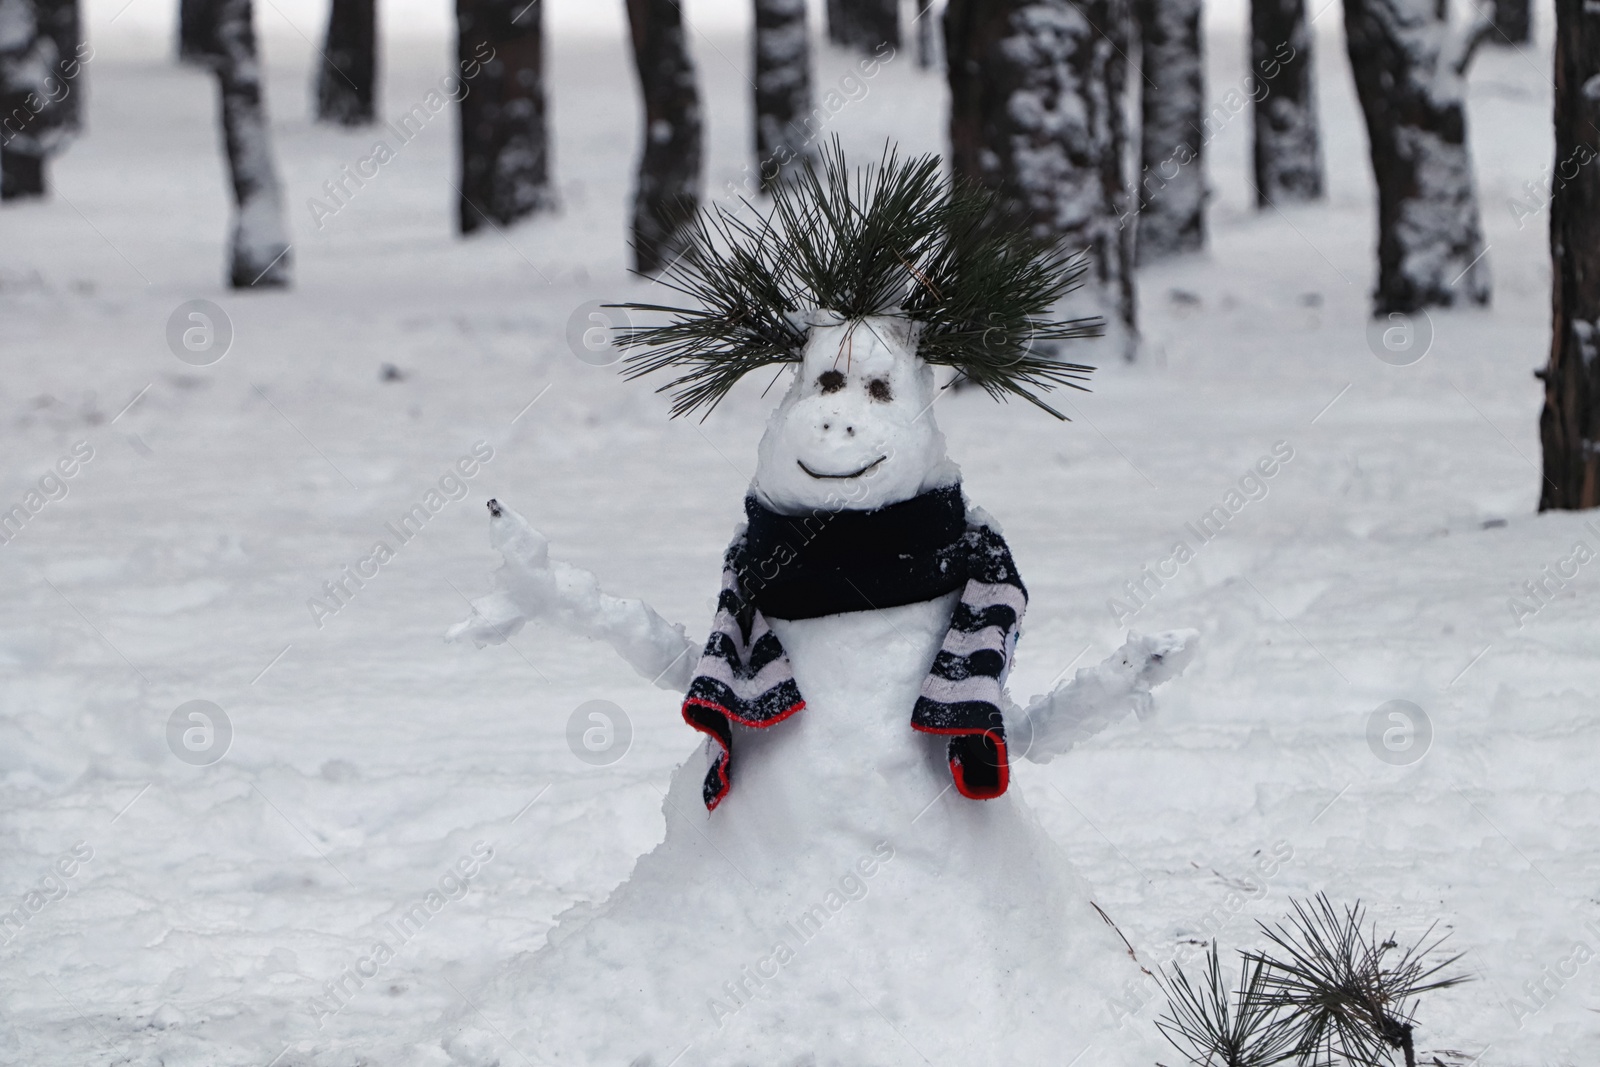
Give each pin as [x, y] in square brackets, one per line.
[1329, 991]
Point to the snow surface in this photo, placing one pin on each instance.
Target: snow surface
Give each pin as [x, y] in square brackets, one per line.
[373, 767]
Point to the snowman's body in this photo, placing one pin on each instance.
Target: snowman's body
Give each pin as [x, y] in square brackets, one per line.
[842, 905]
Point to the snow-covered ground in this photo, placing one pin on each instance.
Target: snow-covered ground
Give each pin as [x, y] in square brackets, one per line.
[207, 906]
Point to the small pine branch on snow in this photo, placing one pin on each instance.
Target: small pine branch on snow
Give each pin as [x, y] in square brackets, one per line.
[1328, 993]
[895, 238]
[1348, 994]
[1215, 1026]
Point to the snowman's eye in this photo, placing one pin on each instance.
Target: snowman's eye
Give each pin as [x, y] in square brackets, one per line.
[830, 381]
[878, 389]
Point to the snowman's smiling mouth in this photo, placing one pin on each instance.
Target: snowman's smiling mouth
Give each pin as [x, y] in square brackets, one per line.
[852, 474]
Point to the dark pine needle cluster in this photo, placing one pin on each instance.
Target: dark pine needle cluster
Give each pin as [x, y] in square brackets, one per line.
[1330, 992]
[894, 238]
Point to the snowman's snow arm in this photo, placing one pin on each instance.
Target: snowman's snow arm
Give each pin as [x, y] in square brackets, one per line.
[529, 585]
[1098, 696]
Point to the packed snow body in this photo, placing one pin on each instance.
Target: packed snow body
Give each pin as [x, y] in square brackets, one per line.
[842, 882]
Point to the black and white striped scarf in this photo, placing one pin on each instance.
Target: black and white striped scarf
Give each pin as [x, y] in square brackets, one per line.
[822, 564]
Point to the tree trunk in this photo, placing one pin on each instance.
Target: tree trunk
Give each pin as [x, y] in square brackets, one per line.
[1172, 183]
[1513, 22]
[21, 174]
[348, 76]
[1288, 145]
[865, 25]
[505, 154]
[927, 36]
[783, 90]
[40, 90]
[1570, 425]
[1409, 70]
[197, 33]
[1036, 90]
[259, 255]
[668, 191]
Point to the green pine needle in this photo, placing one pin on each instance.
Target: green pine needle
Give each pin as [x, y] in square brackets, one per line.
[895, 238]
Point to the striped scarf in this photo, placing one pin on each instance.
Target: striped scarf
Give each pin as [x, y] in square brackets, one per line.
[794, 567]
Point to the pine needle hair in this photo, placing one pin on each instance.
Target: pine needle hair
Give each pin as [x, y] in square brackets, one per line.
[893, 238]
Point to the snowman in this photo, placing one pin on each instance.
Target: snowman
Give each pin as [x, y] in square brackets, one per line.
[847, 877]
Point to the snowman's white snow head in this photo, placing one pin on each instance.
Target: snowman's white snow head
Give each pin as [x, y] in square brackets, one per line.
[855, 430]
[866, 281]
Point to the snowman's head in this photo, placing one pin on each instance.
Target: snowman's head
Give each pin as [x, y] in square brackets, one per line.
[855, 430]
[912, 271]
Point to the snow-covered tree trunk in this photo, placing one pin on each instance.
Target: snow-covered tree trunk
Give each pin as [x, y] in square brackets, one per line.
[1287, 141]
[1513, 22]
[40, 91]
[783, 89]
[865, 25]
[1410, 70]
[1036, 113]
[259, 255]
[1172, 184]
[505, 143]
[1570, 425]
[667, 194]
[347, 77]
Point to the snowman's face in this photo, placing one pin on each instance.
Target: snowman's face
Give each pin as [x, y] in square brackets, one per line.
[856, 429]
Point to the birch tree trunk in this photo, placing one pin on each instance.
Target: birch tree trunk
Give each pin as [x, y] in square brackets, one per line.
[1036, 114]
[864, 25]
[259, 252]
[1569, 428]
[668, 191]
[1172, 183]
[1410, 68]
[505, 144]
[1287, 141]
[348, 75]
[782, 90]
[40, 90]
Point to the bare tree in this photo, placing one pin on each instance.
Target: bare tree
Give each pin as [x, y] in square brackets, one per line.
[865, 25]
[348, 75]
[668, 191]
[1570, 425]
[1410, 69]
[505, 143]
[1172, 183]
[40, 94]
[782, 89]
[1036, 95]
[259, 253]
[1287, 141]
